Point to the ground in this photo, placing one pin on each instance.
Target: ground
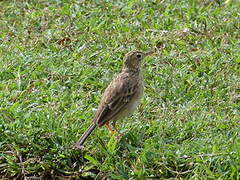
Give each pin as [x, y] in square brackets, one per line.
[57, 57]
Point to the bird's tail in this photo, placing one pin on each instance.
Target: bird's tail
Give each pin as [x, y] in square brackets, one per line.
[85, 135]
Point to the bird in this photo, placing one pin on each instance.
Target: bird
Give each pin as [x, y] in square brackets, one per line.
[122, 96]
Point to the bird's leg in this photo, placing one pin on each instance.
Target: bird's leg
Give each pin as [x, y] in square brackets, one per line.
[109, 127]
[116, 130]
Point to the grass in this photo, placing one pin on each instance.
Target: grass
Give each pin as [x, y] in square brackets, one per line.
[57, 57]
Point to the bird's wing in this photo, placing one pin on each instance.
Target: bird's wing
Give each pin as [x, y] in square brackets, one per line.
[115, 98]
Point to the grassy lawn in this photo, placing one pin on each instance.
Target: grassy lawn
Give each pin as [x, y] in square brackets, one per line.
[57, 57]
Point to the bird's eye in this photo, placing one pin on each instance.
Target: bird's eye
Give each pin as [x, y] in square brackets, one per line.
[139, 56]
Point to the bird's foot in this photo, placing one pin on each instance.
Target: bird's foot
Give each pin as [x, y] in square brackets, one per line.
[120, 135]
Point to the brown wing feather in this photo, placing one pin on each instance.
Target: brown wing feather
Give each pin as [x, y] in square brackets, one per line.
[115, 98]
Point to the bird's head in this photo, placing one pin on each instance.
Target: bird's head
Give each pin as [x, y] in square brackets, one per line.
[133, 59]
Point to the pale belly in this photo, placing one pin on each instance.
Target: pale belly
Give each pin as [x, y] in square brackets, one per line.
[133, 104]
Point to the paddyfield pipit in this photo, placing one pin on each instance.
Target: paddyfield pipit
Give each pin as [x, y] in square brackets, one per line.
[121, 97]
